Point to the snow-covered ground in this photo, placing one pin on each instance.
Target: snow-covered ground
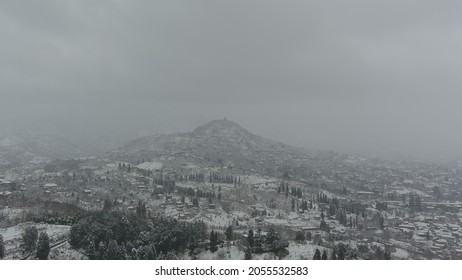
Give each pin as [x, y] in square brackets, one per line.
[12, 236]
[297, 251]
[400, 254]
[150, 165]
[65, 252]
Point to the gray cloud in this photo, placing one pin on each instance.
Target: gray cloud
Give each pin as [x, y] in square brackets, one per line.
[367, 76]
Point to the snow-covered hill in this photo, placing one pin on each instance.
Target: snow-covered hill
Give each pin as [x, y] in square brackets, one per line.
[28, 146]
[219, 140]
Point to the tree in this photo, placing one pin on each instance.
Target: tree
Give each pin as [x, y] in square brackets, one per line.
[300, 236]
[43, 246]
[418, 203]
[213, 241]
[324, 255]
[107, 204]
[333, 256]
[341, 252]
[308, 236]
[196, 202]
[324, 226]
[115, 252]
[141, 209]
[229, 233]
[271, 236]
[381, 222]
[2, 247]
[29, 239]
[317, 255]
[247, 253]
[250, 239]
[411, 202]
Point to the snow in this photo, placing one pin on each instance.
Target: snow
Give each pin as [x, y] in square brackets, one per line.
[304, 251]
[400, 254]
[297, 251]
[65, 252]
[150, 165]
[12, 236]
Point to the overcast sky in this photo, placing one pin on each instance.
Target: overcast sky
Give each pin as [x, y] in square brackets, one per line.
[355, 76]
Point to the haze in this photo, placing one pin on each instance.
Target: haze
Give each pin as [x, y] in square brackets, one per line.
[373, 77]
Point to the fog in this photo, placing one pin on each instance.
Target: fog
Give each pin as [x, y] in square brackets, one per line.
[371, 77]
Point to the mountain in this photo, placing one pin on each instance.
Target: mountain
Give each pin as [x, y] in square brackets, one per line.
[221, 141]
[27, 146]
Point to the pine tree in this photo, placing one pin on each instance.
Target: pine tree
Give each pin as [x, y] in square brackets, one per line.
[213, 240]
[324, 255]
[333, 256]
[317, 255]
[247, 253]
[250, 238]
[2, 247]
[43, 246]
[341, 253]
[29, 239]
[300, 236]
[114, 251]
[229, 233]
[271, 236]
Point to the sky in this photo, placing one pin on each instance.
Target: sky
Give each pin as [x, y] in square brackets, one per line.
[361, 76]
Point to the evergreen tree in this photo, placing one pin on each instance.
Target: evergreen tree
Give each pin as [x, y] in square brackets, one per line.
[107, 204]
[250, 238]
[43, 246]
[213, 240]
[308, 236]
[418, 203]
[411, 202]
[324, 255]
[114, 251]
[101, 251]
[271, 236]
[2, 247]
[317, 255]
[300, 236]
[341, 253]
[324, 226]
[29, 239]
[381, 222]
[247, 253]
[141, 209]
[333, 256]
[229, 233]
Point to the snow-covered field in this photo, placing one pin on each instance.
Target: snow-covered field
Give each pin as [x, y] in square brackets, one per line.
[400, 254]
[65, 252]
[297, 251]
[150, 165]
[12, 236]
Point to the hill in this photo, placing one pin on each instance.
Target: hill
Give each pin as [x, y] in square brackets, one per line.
[221, 141]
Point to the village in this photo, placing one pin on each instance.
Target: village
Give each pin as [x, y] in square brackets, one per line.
[378, 209]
